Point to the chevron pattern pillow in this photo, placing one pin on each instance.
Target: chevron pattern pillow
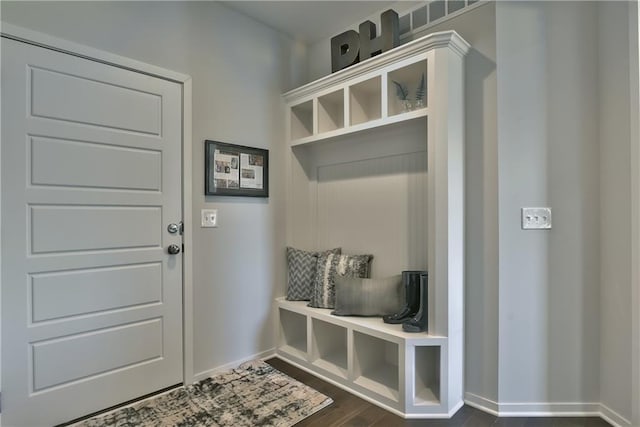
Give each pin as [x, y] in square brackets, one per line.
[331, 266]
[302, 272]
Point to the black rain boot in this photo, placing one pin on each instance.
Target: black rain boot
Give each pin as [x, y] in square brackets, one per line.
[411, 284]
[419, 322]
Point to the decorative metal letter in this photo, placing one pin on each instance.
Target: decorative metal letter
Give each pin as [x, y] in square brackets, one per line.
[344, 50]
[350, 47]
[370, 45]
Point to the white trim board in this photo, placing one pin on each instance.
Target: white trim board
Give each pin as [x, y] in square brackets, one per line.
[481, 403]
[76, 49]
[546, 409]
[65, 46]
[187, 234]
[263, 355]
[613, 417]
[634, 110]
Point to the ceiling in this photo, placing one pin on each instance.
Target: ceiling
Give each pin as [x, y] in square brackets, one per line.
[309, 21]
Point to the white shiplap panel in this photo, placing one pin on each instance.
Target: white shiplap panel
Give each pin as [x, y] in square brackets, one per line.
[376, 206]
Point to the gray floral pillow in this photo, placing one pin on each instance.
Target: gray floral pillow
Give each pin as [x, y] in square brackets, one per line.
[331, 266]
[302, 272]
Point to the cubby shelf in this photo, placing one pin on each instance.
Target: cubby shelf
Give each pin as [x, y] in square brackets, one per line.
[329, 347]
[302, 120]
[376, 365]
[427, 376]
[373, 366]
[403, 158]
[293, 333]
[366, 106]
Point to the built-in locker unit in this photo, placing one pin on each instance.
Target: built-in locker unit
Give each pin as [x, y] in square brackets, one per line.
[375, 165]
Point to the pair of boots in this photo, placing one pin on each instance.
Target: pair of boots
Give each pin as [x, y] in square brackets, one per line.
[413, 315]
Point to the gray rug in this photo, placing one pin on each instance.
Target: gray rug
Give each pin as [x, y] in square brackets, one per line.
[254, 394]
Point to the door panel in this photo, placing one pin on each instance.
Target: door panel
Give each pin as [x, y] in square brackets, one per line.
[91, 301]
[102, 351]
[95, 289]
[87, 101]
[55, 228]
[94, 165]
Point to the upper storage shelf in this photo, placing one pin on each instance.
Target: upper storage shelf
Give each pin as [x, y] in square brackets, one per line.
[392, 87]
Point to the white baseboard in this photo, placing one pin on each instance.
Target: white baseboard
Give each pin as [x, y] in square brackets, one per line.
[613, 417]
[537, 409]
[546, 409]
[456, 408]
[262, 356]
[481, 403]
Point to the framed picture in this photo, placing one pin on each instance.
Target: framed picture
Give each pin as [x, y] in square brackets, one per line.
[235, 170]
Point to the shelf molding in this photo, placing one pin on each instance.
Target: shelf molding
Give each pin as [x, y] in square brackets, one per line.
[373, 326]
[336, 133]
[450, 39]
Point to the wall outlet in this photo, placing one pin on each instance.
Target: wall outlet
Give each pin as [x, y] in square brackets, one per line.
[536, 218]
[209, 217]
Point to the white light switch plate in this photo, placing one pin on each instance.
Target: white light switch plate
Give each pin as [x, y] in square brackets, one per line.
[209, 217]
[536, 218]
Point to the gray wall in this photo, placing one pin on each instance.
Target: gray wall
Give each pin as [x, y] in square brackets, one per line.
[615, 221]
[548, 152]
[239, 69]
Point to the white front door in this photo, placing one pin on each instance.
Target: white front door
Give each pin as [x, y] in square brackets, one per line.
[91, 179]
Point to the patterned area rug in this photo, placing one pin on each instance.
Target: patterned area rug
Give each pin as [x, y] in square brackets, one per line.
[254, 394]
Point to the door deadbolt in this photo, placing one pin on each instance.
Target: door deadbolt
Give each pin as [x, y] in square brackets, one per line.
[173, 228]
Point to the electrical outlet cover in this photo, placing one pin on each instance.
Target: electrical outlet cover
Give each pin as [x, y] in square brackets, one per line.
[209, 217]
[536, 218]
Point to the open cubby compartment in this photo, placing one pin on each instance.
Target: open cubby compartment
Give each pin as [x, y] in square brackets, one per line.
[375, 365]
[365, 101]
[293, 333]
[331, 111]
[427, 376]
[410, 77]
[329, 347]
[302, 120]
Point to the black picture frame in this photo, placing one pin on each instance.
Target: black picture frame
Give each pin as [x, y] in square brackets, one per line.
[235, 170]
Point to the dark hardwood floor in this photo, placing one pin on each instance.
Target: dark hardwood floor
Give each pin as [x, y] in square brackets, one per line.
[350, 410]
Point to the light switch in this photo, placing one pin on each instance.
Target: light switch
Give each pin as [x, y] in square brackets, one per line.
[209, 217]
[536, 218]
